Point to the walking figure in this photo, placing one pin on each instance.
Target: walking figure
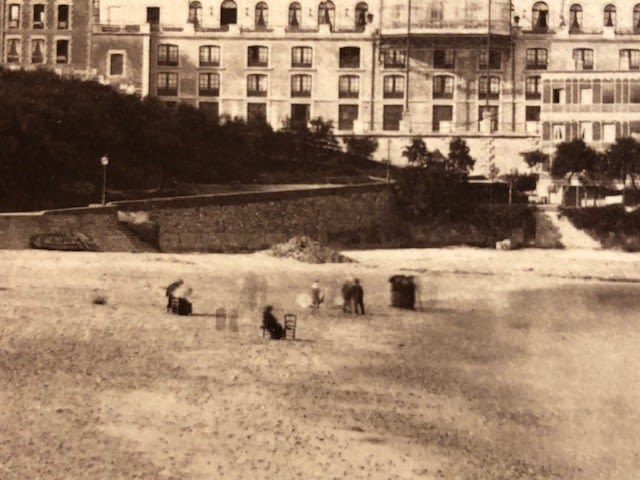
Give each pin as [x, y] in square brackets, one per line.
[347, 295]
[358, 297]
[316, 295]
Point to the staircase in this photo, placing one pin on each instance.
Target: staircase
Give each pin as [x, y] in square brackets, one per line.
[567, 235]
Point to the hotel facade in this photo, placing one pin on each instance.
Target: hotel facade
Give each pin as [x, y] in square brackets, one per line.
[508, 76]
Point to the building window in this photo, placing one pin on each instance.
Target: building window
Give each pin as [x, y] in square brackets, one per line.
[349, 86]
[350, 57]
[391, 117]
[13, 19]
[209, 56]
[583, 58]
[211, 109]
[557, 96]
[301, 85]
[442, 118]
[609, 132]
[13, 50]
[257, 85]
[327, 14]
[532, 113]
[262, 15]
[153, 16]
[393, 86]
[489, 89]
[167, 83]
[630, 59]
[586, 95]
[610, 16]
[586, 131]
[295, 12]
[257, 56]
[575, 18]
[539, 16]
[361, 16]
[37, 51]
[608, 93]
[63, 17]
[116, 64]
[228, 13]
[394, 58]
[256, 113]
[347, 115]
[444, 58]
[636, 18]
[494, 60]
[300, 114]
[209, 84]
[532, 88]
[537, 58]
[443, 86]
[301, 57]
[168, 54]
[62, 51]
[491, 112]
[38, 16]
[558, 132]
[195, 13]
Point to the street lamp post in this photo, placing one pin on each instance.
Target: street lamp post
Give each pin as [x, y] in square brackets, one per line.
[104, 161]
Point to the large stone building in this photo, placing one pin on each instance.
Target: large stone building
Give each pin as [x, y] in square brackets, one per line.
[517, 76]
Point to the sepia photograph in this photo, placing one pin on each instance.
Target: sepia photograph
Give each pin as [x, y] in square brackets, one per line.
[319, 239]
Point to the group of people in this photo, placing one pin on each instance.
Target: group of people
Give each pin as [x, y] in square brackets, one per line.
[353, 297]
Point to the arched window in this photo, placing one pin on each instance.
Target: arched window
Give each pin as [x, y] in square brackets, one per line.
[361, 15]
[195, 13]
[228, 13]
[636, 18]
[539, 16]
[295, 13]
[327, 14]
[610, 16]
[262, 14]
[575, 18]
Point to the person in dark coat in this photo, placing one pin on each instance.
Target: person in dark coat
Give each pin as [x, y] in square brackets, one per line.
[347, 296]
[271, 324]
[358, 297]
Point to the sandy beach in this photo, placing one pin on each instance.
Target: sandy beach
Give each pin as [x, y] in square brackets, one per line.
[516, 365]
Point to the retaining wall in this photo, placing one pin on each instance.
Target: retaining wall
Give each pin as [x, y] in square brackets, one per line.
[340, 215]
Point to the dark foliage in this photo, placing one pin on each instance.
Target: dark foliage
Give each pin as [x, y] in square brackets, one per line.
[53, 132]
[575, 157]
[612, 225]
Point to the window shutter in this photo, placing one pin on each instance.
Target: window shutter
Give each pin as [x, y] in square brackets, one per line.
[597, 96]
[546, 93]
[596, 132]
[546, 131]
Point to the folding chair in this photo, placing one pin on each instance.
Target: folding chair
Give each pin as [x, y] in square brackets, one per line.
[290, 321]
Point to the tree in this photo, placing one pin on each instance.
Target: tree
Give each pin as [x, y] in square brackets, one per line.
[623, 160]
[574, 157]
[459, 160]
[361, 147]
[535, 157]
[417, 153]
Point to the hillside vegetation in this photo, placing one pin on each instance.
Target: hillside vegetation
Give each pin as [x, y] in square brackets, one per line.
[54, 131]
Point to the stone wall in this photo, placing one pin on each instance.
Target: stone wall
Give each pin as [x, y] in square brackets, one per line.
[341, 216]
[356, 215]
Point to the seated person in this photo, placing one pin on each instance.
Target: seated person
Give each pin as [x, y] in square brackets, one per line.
[170, 292]
[183, 293]
[271, 324]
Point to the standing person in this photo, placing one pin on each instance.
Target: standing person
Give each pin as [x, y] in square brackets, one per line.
[358, 297]
[271, 324]
[347, 293]
[316, 295]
